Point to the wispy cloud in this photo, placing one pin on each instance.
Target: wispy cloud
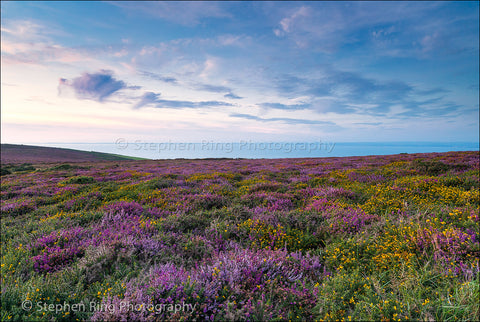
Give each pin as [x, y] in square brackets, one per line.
[26, 30]
[232, 96]
[350, 92]
[433, 91]
[213, 88]
[185, 13]
[153, 99]
[280, 119]
[33, 43]
[147, 98]
[217, 89]
[284, 106]
[166, 79]
[196, 85]
[369, 123]
[388, 28]
[288, 23]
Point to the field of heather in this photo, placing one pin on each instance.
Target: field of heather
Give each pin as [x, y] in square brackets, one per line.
[355, 238]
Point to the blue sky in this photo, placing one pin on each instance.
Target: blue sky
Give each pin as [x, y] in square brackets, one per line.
[230, 71]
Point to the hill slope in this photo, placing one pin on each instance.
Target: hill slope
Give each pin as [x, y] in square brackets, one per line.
[373, 238]
[15, 153]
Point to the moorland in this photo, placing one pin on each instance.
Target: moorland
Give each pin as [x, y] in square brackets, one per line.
[354, 238]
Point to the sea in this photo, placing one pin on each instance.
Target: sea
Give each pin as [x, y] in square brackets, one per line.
[261, 150]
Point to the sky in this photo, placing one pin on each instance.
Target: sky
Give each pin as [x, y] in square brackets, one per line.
[230, 71]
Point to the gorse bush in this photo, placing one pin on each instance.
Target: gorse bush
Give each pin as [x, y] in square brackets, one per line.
[359, 238]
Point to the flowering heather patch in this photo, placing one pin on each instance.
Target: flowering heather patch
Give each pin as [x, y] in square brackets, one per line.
[234, 280]
[18, 206]
[131, 208]
[361, 238]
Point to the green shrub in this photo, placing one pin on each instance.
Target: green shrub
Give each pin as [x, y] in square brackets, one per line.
[67, 166]
[80, 180]
[161, 183]
[433, 167]
[4, 171]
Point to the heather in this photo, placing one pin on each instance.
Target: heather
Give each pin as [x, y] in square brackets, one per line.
[354, 238]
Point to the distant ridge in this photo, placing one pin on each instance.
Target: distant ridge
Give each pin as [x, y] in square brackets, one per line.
[17, 153]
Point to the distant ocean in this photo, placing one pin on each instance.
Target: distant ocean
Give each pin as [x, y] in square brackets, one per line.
[268, 150]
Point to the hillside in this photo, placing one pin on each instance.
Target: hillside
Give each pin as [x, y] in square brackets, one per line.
[375, 238]
[15, 153]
